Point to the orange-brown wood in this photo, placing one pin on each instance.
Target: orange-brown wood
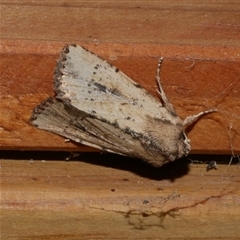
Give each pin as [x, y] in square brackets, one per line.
[201, 67]
[192, 85]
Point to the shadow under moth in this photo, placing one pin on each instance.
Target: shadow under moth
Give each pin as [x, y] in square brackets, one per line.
[99, 106]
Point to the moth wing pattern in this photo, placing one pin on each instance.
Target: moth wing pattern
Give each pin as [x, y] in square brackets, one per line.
[98, 105]
[63, 119]
[100, 89]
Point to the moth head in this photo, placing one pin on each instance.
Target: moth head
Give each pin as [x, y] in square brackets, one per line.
[183, 145]
[180, 145]
[183, 142]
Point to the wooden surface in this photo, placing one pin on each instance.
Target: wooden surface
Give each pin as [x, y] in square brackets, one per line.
[192, 85]
[207, 23]
[201, 69]
[109, 197]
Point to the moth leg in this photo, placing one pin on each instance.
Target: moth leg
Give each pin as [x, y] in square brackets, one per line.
[161, 92]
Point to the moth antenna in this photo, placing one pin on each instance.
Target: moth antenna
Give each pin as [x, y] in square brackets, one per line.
[167, 104]
[190, 119]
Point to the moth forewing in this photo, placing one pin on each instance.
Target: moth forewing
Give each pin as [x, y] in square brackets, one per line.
[98, 105]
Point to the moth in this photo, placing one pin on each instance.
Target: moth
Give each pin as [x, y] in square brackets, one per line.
[98, 105]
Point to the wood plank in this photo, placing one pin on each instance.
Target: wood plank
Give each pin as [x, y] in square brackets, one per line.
[201, 67]
[108, 196]
[26, 80]
[81, 200]
[163, 22]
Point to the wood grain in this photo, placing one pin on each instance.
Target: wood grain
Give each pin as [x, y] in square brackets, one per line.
[81, 200]
[192, 86]
[108, 196]
[201, 67]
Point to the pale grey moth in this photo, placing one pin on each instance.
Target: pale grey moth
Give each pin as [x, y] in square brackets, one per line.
[99, 106]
